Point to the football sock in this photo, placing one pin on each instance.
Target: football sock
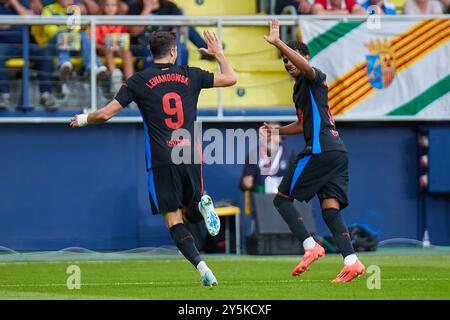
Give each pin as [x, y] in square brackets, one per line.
[193, 214]
[350, 259]
[338, 228]
[309, 243]
[185, 243]
[202, 268]
[290, 215]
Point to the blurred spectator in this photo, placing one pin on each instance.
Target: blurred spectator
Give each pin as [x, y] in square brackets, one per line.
[93, 7]
[422, 7]
[85, 6]
[36, 6]
[124, 6]
[110, 8]
[384, 7]
[11, 46]
[52, 32]
[142, 34]
[281, 4]
[337, 7]
[256, 180]
[302, 6]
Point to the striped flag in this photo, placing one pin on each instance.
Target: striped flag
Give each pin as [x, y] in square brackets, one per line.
[402, 68]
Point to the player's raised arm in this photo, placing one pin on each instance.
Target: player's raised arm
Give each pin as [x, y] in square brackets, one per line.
[300, 62]
[100, 116]
[227, 77]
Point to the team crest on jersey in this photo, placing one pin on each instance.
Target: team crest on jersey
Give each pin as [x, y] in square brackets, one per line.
[380, 63]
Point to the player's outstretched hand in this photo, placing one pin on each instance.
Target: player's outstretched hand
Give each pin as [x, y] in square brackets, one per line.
[274, 32]
[214, 44]
[266, 129]
[79, 120]
[74, 122]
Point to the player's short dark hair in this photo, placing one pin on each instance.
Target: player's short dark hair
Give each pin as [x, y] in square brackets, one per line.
[300, 47]
[161, 42]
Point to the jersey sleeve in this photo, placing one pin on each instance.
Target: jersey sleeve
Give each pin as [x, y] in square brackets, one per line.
[204, 78]
[125, 95]
[320, 77]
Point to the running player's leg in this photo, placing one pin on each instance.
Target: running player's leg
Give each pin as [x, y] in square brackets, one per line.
[166, 193]
[333, 198]
[186, 244]
[335, 222]
[290, 187]
[203, 210]
[285, 206]
[198, 206]
[313, 250]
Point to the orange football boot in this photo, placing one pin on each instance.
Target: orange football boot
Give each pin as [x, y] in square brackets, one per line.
[310, 256]
[349, 273]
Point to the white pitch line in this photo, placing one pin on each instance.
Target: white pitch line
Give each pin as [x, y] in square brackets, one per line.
[188, 283]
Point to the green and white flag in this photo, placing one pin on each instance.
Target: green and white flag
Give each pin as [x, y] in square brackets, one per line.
[401, 68]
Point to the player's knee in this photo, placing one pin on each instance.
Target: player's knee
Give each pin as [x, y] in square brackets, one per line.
[280, 199]
[171, 223]
[173, 218]
[330, 203]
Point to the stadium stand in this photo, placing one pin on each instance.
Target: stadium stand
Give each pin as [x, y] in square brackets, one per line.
[262, 81]
[261, 75]
[213, 7]
[398, 5]
[258, 65]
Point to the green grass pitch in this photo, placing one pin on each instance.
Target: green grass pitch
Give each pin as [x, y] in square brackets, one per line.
[403, 276]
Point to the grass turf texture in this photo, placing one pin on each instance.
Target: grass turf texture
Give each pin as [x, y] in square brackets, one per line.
[403, 276]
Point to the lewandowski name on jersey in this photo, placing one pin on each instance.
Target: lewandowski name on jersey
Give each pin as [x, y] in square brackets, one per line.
[171, 77]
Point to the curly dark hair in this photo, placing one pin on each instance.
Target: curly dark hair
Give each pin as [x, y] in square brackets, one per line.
[300, 47]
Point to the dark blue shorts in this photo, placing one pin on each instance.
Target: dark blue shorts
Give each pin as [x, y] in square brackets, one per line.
[324, 174]
[174, 186]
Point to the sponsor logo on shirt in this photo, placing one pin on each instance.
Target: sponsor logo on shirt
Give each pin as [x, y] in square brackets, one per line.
[179, 142]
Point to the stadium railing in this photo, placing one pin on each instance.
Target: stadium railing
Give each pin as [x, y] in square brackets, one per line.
[176, 21]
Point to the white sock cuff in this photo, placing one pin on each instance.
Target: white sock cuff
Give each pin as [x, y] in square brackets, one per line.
[202, 267]
[309, 243]
[350, 259]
